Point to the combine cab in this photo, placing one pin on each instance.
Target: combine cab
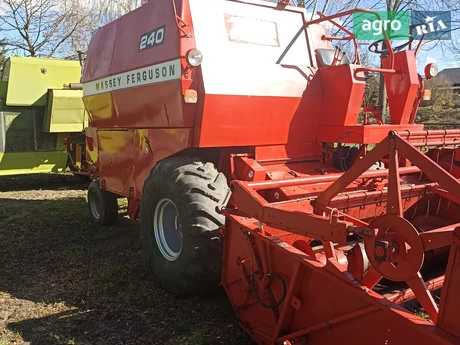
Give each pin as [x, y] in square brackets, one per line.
[233, 130]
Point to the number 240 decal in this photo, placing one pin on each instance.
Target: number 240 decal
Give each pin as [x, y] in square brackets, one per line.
[152, 38]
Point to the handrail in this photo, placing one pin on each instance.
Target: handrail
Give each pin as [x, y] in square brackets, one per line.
[342, 28]
[373, 69]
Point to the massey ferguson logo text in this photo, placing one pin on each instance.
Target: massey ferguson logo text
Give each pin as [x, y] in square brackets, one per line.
[136, 78]
[150, 75]
[431, 25]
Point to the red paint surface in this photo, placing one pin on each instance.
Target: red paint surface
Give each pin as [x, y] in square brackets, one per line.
[401, 86]
[277, 116]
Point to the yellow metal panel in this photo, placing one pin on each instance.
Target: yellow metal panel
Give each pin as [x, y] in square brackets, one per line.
[65, 112]
[30, 78]
[114, 142]
[92, 145]
[32, 162]
[100, 106]
[116, 159]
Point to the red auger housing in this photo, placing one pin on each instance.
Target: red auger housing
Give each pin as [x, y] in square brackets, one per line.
[236, 131]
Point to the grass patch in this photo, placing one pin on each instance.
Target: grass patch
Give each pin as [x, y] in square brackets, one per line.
[65, 281]
[422, 314]
[197, 339]
[42, 213]
[106, 279]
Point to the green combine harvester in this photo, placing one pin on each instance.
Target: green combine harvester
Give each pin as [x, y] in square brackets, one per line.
[38, 109]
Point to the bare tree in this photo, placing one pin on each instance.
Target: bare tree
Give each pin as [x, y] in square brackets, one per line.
[49, 28]
[38, 27]
[107, 10]
[96, 13]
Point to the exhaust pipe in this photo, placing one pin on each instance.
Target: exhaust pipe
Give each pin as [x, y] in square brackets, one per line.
[74, 86]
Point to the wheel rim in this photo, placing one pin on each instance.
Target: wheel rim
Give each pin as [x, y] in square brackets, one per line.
[95, 204]
[166, 225]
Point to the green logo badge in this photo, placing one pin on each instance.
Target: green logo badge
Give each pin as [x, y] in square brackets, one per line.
[367, 26]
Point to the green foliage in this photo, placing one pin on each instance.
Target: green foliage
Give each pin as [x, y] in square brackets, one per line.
[430, 115]
[371, 93]
[441, 96]
[422, 314]
[3, 52]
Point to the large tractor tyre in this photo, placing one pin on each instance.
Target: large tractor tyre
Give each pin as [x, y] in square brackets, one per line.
[102, 204]
[179, 224]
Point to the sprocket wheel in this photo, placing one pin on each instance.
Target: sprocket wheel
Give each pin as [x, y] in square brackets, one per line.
[397, 251]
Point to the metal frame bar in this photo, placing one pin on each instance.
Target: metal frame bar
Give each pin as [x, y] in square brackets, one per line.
[331, 230]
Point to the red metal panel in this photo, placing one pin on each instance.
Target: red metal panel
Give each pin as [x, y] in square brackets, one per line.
[267, 120]
[303, 312]
[98, 63]
[153, 145]
[369, 134]
[116, 159]
[242, 82]
[130, 27]
[290, 151]
[136, 108]
[343, 95]
[147, 84]
[100, 52]
[125, 157]
[401, 86]
[449, 314]
[91, 146]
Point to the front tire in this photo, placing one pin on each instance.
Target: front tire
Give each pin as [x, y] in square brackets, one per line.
[179, 224]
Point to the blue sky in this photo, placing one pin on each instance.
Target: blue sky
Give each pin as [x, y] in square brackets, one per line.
[429, 53]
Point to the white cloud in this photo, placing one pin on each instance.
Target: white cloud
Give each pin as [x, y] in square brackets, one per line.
[430, 59]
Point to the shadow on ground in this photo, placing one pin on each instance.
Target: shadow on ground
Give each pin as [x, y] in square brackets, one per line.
[43, 181]
[63, 281]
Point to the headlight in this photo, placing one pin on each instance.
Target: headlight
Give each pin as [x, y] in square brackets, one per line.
[194, 57]
[431, 70]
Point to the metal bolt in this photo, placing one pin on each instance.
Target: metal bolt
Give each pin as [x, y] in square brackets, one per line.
[251, 174]
[146, 150]
[277, 195]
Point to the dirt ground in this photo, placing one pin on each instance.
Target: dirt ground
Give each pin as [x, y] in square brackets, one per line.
[63, 281]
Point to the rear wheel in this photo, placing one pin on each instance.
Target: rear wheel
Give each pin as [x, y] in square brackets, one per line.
[102, 204]
[179, 223]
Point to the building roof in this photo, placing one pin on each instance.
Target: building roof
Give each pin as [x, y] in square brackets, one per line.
[452, 75]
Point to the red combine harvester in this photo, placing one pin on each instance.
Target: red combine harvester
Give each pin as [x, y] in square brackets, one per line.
[237, 141]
